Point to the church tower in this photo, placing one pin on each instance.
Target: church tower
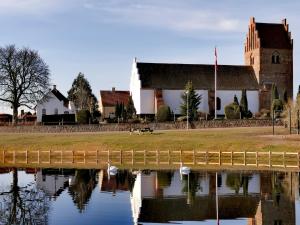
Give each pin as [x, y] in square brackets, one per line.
[269, 50]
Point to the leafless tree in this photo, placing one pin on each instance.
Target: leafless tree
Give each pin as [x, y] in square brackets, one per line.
[24, 77]
[23, 205]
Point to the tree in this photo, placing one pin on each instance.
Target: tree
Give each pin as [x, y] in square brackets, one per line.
[163, 113]
[131, 112]
[246, 113]
[82, 96]
[23, 204]
[24, 78]
[193, 99]
[285, 97]
[274, 94]
[235, 100]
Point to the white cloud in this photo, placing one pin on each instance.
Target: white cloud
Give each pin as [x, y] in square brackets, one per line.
[173, 15]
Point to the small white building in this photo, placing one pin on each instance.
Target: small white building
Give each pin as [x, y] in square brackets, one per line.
[54, 103]
[155, 84]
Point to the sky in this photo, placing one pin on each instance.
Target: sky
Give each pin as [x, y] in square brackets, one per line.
[100, 38]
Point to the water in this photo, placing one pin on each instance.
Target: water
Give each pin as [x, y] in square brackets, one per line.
[89, 196]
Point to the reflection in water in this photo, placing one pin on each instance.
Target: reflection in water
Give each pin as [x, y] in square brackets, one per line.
[23, 204]
[265, 198]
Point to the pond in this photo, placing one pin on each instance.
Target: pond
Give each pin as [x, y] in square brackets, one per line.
[91, 196]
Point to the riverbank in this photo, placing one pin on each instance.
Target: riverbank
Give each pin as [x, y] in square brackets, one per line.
[215, 139]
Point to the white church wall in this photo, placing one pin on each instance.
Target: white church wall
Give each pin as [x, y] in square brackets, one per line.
[172, 98]
[135, 87]
[147, 101]
[227, 98]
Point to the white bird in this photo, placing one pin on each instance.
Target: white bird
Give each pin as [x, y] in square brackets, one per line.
[184, 170]
[111, 170]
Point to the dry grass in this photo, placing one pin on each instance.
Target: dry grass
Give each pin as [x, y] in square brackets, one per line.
[225, 139]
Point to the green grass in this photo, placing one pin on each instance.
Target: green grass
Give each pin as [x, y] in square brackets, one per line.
[225, 139]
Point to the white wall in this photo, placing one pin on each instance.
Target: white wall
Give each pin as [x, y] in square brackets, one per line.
[227, 98]
[172, 98]
[147, 101]
[50, 105]
[135, 87]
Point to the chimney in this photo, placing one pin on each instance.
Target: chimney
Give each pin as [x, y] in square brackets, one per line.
[113, 89]
[252, 20]
[284, 21]
[54, 87]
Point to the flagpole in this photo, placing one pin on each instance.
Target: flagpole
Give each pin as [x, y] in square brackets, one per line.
[217, 199]
[216, 82]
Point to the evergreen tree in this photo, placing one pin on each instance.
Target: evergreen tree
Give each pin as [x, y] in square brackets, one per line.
[244, 101]
[131, 112]
[246, 113]
[274, 94]
[235, 100]
[118, 110]
[193, 99]
[285, 97]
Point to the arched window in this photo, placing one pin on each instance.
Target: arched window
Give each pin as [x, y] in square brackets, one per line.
[251, 59]
[218, 103]
[275, 58]
[56, 111]
[43, 111]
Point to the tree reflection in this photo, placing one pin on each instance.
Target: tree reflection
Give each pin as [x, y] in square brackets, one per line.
[191, 186]
[23, 205]
[235, 181]
[82, 188]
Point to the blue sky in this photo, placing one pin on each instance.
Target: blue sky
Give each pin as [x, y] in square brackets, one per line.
[101, 37]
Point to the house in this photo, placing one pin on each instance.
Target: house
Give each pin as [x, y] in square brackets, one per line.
[109, 99]
[268, 54]
[5, 118]
[55, 107]
[27, 117]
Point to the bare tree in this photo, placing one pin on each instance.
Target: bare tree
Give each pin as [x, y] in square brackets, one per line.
[24, 77]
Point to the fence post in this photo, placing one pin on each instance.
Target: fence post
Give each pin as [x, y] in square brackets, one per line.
[256, 154]
[206, 157]
[231, 158]
[157, 159]
[169, 156]
[273, 121]
[290, 117]
[14, 155]
[26, 155]
[284, 163]
[121, 156]
[194, 157]
[245, 163]
[219, 158]
[298, 125]
[72, 155]
[298, 159]
[269, 158]
[132, 157]
[145, 155]
[180, 155]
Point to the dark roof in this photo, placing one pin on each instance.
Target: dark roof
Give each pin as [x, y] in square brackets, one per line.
[202, 208]
[110, 98]
[60, 97]
[273, 36]
[175, 76]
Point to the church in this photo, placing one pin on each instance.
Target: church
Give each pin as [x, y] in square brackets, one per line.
[268, 57]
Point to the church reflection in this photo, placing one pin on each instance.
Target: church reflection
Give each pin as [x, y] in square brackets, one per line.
[262, 198]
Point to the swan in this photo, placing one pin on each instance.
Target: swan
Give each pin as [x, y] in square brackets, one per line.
[184, 170]
[112, 170]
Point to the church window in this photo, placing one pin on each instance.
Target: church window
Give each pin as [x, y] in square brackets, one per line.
[275, 58]
[218, 103]
[56, 111]
[66, 112]
[43, 111]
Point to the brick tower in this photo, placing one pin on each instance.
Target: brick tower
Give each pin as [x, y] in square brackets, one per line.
[269, 49]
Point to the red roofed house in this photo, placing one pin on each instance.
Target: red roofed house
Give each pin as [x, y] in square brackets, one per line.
[108, 101]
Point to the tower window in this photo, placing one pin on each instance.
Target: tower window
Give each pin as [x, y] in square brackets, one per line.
[43, 111]
[55, 111]
[275, 58]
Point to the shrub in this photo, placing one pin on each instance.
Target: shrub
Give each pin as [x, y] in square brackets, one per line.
[163, 113]
[232, 111]
[83, 116]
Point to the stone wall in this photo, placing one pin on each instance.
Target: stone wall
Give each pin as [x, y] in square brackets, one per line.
[126, 127]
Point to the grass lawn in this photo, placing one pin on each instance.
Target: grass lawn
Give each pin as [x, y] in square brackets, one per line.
[223, 139]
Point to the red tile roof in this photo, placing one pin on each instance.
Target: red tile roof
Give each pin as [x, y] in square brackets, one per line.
[110, 98]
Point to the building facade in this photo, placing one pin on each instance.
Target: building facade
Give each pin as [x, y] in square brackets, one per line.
[54, 103]
[268, 60]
